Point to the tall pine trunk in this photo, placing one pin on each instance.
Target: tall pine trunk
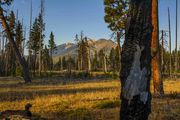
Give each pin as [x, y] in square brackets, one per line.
[21, 59]
[170, 62]
[176, 44]
[136, 62]
[51, 62]
[89, 59]
[119, 49]
[156, 73]
[30, 50]
[162, 52]
[105, 63]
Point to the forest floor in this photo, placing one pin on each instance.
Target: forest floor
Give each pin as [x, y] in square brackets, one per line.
[83, 100]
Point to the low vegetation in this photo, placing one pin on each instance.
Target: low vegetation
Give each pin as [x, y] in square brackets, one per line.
[81, 100]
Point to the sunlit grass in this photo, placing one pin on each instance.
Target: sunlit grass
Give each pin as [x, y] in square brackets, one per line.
[55, 100]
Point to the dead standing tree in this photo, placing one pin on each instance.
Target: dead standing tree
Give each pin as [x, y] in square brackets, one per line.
[21, 59]
[136, 62]
[156, 68]
[170, 60]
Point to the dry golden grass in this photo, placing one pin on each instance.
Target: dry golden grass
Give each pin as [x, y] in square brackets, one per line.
[93, 100]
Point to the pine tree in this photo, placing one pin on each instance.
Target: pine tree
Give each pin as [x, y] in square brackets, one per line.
[116, 14]
[78, 51]
[59, 63]
[41, 34]
[29, 48]
[33, 44]
[11, 39]
[112, 58]
[103, 60]
[83, 52]
[10, 54]
[95, 61]
[19, 39]
[51, 46]
[115, 17]
[69, 65]
[19, 36]
[64, 63]
[45, 59]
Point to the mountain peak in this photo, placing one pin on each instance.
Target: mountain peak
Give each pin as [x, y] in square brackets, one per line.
[71, 48]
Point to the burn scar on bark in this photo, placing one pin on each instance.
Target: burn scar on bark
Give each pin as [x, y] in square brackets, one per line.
[136, 82]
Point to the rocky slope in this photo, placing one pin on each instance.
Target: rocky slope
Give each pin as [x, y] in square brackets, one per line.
[71, 48]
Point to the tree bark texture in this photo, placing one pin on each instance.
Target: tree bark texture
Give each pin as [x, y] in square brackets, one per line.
[156, 73]
[136, 62]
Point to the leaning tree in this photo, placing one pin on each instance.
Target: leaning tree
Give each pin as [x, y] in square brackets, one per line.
[9, 35]
[136, 62]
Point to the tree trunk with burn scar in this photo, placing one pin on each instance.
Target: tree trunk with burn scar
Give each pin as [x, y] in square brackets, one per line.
[136, 62]
[15, 48]
[156, 74]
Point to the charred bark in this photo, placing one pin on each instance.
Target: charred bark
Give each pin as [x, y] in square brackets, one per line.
[136, 62]
[18, 54]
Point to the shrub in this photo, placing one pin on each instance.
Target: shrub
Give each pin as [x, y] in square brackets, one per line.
[18, 71]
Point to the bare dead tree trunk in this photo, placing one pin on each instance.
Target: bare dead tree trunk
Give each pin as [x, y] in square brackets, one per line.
[30, 50]
[176, 51]
[89, 59]
[105, 63]
[24, 41]
[156, 73]
[162, 52]
[18, 55]
[136, 62]
[169, 20]
[51, 62]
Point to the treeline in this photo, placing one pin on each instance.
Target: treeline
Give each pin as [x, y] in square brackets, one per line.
[87, 59]
[165, 62]
[39, 55]
[92, 62]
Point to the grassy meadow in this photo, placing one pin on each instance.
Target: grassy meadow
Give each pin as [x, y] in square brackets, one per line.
[81, 100]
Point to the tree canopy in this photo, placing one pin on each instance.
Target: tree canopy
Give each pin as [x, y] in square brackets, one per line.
[116, 14]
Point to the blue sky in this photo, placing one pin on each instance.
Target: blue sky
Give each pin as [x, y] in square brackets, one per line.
[68, 17]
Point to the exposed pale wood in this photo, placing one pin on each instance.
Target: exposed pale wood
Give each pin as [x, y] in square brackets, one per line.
[136, 62]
